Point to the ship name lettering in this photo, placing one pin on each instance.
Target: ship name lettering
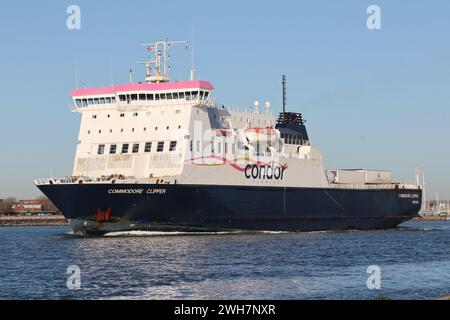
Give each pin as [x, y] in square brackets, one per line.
[126, 191]
[408, 196]
[156, 191]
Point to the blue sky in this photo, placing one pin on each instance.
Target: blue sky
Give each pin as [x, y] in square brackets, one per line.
[372, 99]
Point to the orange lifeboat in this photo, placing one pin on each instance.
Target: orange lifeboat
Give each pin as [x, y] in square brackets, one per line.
[261, 134]
[223, 132]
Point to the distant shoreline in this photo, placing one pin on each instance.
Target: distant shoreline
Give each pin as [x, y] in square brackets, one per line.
[434, 218]
[8, 221]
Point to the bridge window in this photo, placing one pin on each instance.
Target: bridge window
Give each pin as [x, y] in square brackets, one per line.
[142, 96]
[113, 149]
[90, 101]
[125, 148]
[102, 100]
[136, 148]
[150, 97]
[78, 103]
[101, 149]
[201, 95]
[157, 96]
[160, 146]
[206, 94]
[194, 95]
[148, 147]
[162, 96]
[175, 95]
[122, 97]
[169, 96]
[173, 146]
[96, 101]
[134, 97]
[181, 95]
[85, 102]
[108, 100]
[188, 95]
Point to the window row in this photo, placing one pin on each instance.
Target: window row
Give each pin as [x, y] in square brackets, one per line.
[188, 95]
[94, 101]
[215, 147]
[294, 139]
[136, 147]
[135, 114]
[132, 130]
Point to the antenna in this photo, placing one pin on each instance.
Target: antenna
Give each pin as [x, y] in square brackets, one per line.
[111, 73]
[76, 76]
[192, 56]
[160, 61]
[131, 75]
[283, 85]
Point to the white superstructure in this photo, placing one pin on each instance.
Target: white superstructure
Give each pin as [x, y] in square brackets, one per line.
[174, 130]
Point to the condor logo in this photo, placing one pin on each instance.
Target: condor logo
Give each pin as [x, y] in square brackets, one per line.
[269, 171]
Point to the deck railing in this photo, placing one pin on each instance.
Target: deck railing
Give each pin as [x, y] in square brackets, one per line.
[392, 186]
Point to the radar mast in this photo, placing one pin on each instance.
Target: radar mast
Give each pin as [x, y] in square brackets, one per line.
[157, 67]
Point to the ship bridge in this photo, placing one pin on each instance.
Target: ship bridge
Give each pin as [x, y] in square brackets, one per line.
[157, 88]
[142, 94]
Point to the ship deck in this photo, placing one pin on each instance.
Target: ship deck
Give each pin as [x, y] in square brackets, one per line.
[174, 180]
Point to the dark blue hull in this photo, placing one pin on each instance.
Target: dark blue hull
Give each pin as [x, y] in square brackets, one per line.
[217, 208]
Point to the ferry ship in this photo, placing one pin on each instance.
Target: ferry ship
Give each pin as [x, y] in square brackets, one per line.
[162, 155]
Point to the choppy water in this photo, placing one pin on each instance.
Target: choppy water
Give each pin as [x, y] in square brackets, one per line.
[415, 264]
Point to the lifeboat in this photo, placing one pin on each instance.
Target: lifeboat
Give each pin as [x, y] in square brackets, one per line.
[223, 132]
[261, 134]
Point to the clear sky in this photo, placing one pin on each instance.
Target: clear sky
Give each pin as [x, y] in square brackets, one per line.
[372, 99]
